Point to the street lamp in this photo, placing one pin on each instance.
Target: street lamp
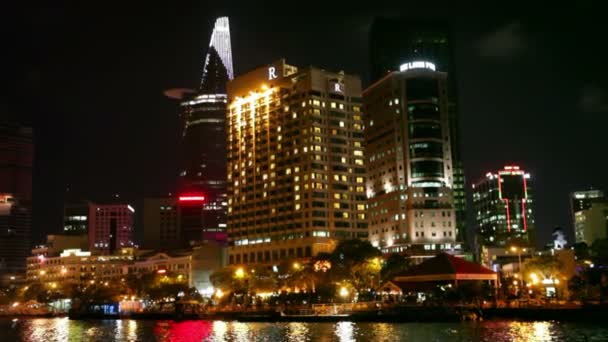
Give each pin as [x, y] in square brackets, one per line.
[239, 273]
[343, 292]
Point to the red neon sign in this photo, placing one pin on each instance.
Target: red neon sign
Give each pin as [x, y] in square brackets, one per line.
[508, 214]
[191, 198]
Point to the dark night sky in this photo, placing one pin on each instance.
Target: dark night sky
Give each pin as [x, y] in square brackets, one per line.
[533, 87]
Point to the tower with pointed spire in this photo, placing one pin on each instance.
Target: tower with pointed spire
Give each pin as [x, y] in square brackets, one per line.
[203, 142]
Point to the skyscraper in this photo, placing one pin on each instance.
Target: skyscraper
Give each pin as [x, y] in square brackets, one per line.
[503, 208]
[16, 157]
[394, 41]
[203, 145]
[410, 180]
[296, 179]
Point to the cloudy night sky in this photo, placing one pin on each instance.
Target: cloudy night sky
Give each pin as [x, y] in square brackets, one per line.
[533, 87]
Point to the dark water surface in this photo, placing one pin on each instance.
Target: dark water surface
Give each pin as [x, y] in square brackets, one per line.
[62, 329]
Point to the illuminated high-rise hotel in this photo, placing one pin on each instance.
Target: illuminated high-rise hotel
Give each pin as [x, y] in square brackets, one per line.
[503, 208]
[203, 145]
[410, 170]
[394, 40]
[296, 176]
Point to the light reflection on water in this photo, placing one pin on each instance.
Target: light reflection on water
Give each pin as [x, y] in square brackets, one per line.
[62, 329]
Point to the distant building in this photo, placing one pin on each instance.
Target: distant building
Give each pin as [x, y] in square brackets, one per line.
[55, 244]
[194, 265]
[76, 217]
[409, 162]
[180, 222]
[203, 115]
[581, 200]
[394, 41]
[78, 267]
[296, 174]
[110, 227]
[591, 224]
[16, 157]
[503, 208]
[161, 223]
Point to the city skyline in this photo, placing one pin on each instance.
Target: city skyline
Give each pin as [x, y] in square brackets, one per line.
[491, 87]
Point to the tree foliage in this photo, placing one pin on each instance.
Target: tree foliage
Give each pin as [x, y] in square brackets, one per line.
[547, 266]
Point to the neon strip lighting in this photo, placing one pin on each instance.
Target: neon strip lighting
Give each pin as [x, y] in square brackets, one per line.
[508, 215]
[523, 210]
[499, 187]
[191, 198]
[220, 40]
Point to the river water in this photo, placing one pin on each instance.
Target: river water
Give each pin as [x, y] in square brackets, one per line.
[63, 329]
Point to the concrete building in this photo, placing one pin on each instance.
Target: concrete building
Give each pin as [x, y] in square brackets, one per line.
[76, 217]
[192, 265]
[110, 227]
[180, 222]
[161, 223]
[55, 244]
[591, 224]
[503, 208]
[16, 157]
[78, 267]
[395, 40]
[410, 170]
[296, 175]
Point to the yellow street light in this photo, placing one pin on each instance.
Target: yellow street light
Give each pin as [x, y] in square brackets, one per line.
[64, 271]
[296, 265]
[239, 273]
[54, 285]
[343, 292]
[42, 272]
[534, 278]
[219, 293]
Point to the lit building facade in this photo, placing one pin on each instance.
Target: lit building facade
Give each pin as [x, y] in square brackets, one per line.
[16, 158]
[591, 223]
[409, 162]
[296, 176]
[77, 267]
[179, 222]
[503, 207]
[394, 40]
[76, 218]
[110, 227]
[203, 115]
[580, 201]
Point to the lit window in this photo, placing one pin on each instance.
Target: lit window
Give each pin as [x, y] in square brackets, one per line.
[341, 123]
[333, 105]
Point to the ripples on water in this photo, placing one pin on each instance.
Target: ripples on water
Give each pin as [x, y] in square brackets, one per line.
[62, 329]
